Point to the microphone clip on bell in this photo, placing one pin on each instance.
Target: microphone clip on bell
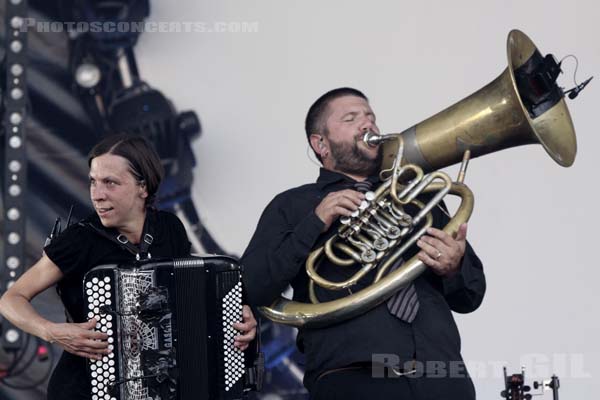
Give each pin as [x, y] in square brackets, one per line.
[574, 92]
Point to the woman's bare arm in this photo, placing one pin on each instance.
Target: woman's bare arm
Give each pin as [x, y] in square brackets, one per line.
[15, 305]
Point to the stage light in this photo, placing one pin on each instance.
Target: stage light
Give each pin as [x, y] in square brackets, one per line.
[15, 103]
[188, 124]
[12, 335]
[16, 69]
[16, 46]
[114, 11]
[16, 22]
[14, 166]
[13, 262]
[145, 111]
[15, 118]
[87, 75]
[15, 142]
[14, 190]
[14, 238]
[13, 214]
[16, 94]
[43, 353]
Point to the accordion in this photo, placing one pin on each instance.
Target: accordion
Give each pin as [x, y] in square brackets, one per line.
[169, 325]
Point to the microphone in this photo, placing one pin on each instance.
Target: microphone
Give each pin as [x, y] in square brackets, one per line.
[55, 230]
[575, 91]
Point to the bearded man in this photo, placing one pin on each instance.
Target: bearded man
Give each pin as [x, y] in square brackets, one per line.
[407, 347]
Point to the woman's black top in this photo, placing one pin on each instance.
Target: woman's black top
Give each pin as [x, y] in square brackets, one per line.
[79, 249]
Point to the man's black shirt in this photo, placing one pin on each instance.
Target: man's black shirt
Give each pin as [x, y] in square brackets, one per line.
[286, 233]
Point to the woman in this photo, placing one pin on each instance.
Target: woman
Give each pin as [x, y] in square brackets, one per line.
[125, 173]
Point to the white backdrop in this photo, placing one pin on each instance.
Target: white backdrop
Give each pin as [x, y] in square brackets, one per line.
[535, 224]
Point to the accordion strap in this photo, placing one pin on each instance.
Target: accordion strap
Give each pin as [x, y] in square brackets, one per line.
[141, 252]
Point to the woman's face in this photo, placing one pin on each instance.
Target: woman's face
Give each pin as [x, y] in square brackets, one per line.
[119, 200]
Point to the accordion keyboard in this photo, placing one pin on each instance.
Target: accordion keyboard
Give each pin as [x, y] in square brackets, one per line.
[100, 294]
[233, 358]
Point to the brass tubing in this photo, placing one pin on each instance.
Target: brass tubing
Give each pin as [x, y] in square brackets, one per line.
[463, 167]
[333, 257]
[399, 198]
[327, 284]
[387, 216]
[365, 240]
[317, 315]
[348, 250]
[437, 198]
[405, 246]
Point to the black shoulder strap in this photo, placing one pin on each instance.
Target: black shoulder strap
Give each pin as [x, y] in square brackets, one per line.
[140, 252]
[147, 238]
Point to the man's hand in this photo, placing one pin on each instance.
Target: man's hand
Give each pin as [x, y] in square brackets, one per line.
[80, 339]
[337, 204]
[247, 328]
[442, 252]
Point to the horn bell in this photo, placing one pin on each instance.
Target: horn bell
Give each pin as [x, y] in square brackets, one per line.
[491, 119]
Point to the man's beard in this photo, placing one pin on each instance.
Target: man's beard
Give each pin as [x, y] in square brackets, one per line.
[349, 158]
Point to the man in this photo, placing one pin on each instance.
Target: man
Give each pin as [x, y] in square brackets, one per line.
[345, 360]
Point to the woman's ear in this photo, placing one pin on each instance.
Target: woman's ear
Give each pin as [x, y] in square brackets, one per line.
[143, 189]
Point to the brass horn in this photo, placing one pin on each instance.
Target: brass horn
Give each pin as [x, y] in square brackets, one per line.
[522, 106]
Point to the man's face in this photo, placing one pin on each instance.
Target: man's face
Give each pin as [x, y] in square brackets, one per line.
[349, 118]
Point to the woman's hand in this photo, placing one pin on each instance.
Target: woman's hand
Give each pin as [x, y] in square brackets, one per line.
[247, 328]
[80, 339]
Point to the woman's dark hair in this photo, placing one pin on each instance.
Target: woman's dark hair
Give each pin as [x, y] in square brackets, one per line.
[144, 162]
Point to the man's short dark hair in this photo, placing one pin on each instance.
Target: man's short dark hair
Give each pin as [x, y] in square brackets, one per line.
[315, 119]
[144, 162]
